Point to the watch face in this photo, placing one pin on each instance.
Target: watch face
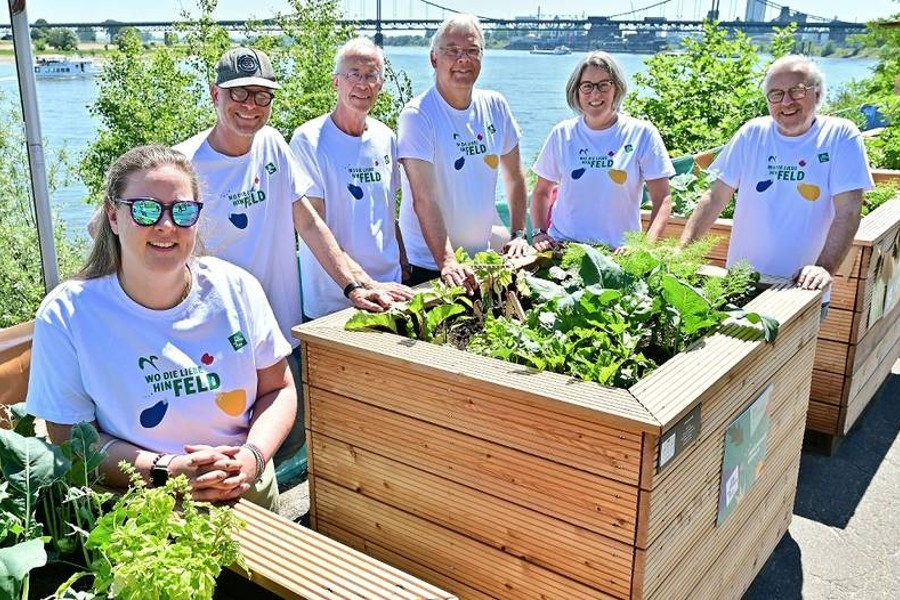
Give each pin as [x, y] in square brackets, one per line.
[159, 475]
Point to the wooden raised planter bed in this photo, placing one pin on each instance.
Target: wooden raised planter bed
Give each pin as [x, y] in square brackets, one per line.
[492, 481]
[860, 339]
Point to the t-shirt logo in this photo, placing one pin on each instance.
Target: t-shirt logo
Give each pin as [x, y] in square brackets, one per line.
[491, 129]
[271, 168]
[628, 147]
[823, 157]
[237, 340]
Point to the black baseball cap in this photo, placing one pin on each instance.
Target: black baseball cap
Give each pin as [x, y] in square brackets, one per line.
[244, 66]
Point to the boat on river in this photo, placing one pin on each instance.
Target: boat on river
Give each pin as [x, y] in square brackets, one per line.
[559, 50]
[59, 67]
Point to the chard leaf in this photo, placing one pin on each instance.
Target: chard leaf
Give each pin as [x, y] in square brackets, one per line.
[599, 269]
[770, 325]
[437, 315]
[545, 290]
[16, 562]
[30, 463]
[695, 310]
[362, 321]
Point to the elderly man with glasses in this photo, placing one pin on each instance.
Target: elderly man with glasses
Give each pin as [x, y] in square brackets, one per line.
[800, 177]
[351, 159]
[452, 140]
[255, 198]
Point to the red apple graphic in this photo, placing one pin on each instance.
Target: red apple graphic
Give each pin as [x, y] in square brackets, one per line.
[480, 136]
[207, 359]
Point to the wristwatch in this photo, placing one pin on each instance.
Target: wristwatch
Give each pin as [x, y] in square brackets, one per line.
[518, 234]
[539, 231]
[159, 470]
[351, 287]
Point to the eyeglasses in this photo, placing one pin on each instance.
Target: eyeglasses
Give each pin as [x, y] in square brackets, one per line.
[586, 87]
[455, 52]
[260, 98]
[355, 77]
[798, 92]
[147, 212]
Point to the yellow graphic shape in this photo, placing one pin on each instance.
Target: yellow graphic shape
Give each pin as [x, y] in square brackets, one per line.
[809, 191]
[492, 160]
[232, 403]
[618, 176]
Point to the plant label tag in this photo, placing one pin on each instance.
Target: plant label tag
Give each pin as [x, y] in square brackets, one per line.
[679, 437]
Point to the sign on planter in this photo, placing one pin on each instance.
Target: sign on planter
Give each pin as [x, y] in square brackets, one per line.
[746, 441]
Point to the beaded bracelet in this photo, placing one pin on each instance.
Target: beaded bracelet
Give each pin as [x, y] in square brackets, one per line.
[260, 463]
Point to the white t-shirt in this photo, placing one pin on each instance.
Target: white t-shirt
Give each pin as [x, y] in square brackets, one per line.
[601, 176]
[358, 179]
[247, 216]
[465, 147]
[159, 379]
[785, 186]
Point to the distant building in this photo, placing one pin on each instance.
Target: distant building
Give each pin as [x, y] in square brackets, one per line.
[756, 11]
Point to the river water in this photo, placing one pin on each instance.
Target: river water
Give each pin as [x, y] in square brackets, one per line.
[534, 85]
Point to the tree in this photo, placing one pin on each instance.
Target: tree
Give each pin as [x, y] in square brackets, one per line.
[699, 98]
[86, 34]
[21, 284]
[39, 30]
[170, 38]
[132, 33]
[62, 39]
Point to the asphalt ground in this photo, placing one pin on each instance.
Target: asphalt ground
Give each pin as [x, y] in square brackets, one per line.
[843, 542]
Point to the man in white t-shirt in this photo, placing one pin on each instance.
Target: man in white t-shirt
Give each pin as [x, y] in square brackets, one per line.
[351, 160]
[452, 140]
[800, 177]
[254, 200]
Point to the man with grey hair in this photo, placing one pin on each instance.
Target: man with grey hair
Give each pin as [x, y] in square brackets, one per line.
[255, 198]
[801, 178]
[452, 140]
[351, 159]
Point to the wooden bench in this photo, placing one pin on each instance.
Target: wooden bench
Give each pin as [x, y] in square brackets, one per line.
[284, 558]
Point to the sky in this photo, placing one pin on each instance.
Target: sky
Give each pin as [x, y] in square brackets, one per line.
[95, 11]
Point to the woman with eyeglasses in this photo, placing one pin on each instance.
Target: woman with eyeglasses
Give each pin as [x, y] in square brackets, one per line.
[600, 161]
[176, 360]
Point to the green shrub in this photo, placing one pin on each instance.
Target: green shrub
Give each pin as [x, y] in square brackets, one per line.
[700, 97]
[21, 282]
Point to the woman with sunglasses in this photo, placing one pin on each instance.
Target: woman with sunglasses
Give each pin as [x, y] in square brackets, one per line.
[600, 160]
[176, 360]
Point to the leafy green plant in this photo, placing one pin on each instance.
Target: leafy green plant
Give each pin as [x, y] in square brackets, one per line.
[159, 544]
[699, 98]
[587, 313]
[28, 465]
[882, 193]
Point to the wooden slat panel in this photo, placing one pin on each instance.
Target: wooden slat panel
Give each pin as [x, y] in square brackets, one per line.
[404, 564]
[475, 564]
[675, 388]
[823, 417]
[885, 175]
[845, 294]
[674, 505]
[885, 327]
[540, 431]
[588, 400]
[880, 224]
[745, 556]
[322, 569]
[834, 357]
[838, 325]
[572, 551]
[864, 390]
[704, 550]
[827, 388]
[601, 505]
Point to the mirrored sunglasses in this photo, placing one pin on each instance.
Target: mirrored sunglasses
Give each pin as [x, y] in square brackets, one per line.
[147, 212]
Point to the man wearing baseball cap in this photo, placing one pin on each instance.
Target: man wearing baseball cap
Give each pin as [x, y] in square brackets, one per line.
[255, 198]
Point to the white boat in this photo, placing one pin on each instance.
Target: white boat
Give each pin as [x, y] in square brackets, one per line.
[53, 67]
[559, 50]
